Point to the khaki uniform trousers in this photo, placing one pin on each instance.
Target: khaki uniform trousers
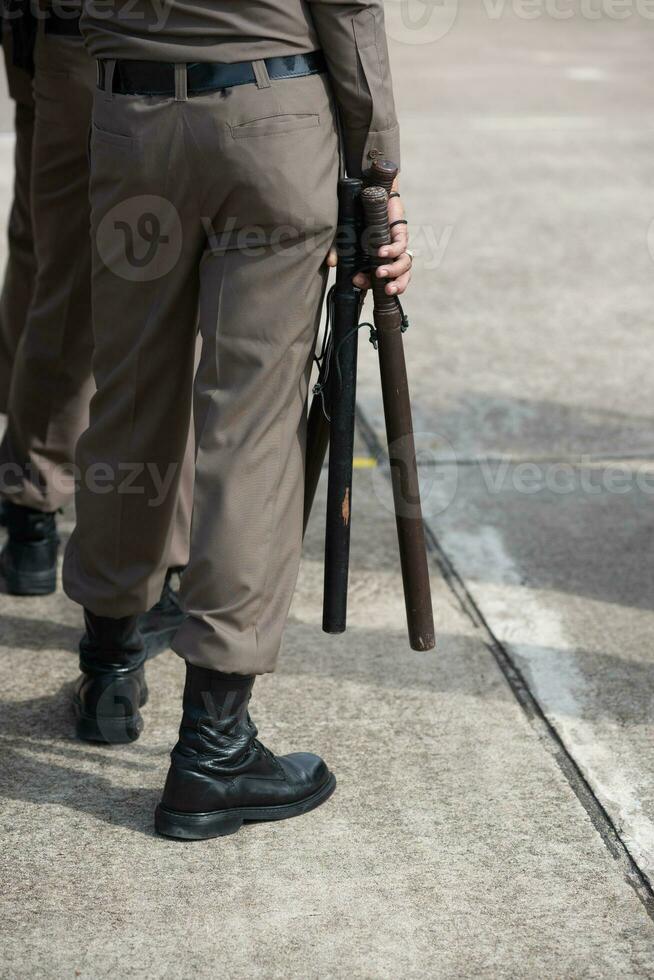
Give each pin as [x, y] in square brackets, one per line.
[227, 200]
[19, 273]
[52, 380]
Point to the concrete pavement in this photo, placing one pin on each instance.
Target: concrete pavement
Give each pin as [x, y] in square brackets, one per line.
[541, 354]
[453, 847]
[532, 359]
[495, 803]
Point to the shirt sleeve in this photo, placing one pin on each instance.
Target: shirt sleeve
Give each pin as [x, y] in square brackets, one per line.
[353, 38]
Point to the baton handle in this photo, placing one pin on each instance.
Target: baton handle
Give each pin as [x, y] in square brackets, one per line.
[399, 432]
[382, 173]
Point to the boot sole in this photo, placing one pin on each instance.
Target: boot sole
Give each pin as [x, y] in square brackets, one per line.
[110, 731]
[221, 823]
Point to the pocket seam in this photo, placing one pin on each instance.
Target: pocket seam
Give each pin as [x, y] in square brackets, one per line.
[119, 139]
[247, 130]
[365, 30]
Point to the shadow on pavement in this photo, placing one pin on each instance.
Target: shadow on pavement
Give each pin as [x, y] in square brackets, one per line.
[39, 634]
[34, 731]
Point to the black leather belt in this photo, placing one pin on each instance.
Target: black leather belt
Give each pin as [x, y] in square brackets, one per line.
[62, 23]
[158, 77]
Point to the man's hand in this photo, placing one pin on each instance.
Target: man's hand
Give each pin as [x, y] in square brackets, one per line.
[398, 268]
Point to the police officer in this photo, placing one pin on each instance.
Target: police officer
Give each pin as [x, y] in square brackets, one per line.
[214, 169]
[51, 379]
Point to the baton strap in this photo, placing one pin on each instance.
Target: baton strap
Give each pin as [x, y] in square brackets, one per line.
[158, 77]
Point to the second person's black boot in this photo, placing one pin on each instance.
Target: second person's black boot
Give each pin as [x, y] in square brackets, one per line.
[159, 624]
[112, 687]
[29, 558]
[221, 776]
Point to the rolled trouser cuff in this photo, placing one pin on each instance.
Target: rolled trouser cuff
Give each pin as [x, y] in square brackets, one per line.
[106, 597]
[206, 642]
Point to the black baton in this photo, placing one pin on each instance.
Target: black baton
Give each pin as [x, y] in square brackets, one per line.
[389, 324]
[342, 400]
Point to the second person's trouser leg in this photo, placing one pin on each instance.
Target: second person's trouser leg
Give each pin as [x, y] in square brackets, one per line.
[19, 272]
[145, 324]
[51, 383]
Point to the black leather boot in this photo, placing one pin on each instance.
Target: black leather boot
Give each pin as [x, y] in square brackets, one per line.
[112, 686]
[29, 558]
[159, 625]
[221, 776]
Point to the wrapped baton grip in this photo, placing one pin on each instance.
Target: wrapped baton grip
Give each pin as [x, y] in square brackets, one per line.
[399, 431]
[381, 174]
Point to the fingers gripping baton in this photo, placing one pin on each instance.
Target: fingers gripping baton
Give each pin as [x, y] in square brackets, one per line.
[399, 430]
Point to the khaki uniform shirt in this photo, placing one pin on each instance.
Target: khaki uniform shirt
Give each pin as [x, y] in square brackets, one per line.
[350, 32]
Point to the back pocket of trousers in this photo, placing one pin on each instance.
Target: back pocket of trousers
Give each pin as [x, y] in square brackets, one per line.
[272, 125]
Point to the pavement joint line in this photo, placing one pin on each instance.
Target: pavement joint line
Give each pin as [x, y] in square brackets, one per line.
[546, 732]
[580, 460]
